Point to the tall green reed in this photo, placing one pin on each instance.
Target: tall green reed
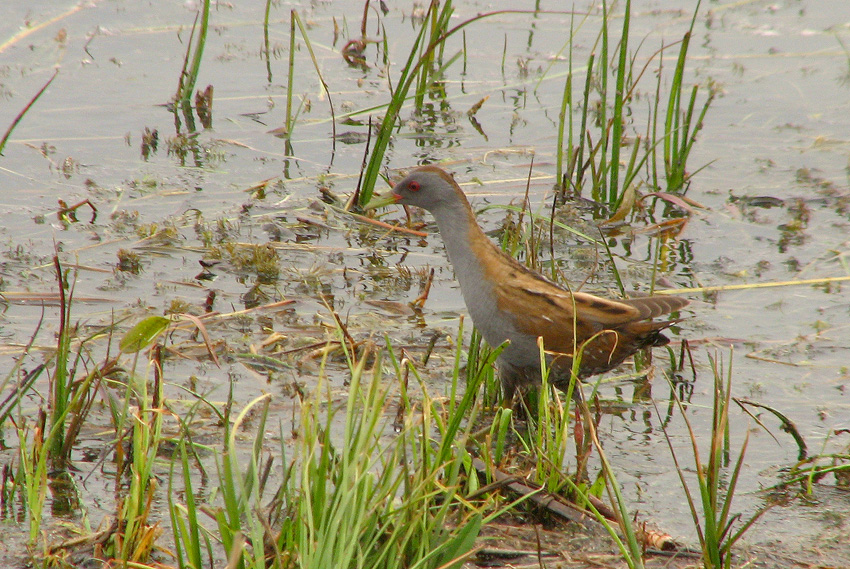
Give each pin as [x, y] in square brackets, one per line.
[421, 54]
[420, 69]
[192, 63]
[680, 124]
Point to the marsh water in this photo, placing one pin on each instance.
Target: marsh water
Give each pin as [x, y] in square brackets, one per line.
[771, 205]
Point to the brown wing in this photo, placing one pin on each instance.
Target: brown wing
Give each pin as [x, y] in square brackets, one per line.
[547, 310]
[620, 327]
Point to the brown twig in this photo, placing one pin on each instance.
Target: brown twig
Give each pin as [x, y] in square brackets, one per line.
[73, 208]
[420, 300]
[385, 225]
[535, 493]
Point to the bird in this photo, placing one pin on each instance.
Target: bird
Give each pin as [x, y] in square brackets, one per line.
[513, 305]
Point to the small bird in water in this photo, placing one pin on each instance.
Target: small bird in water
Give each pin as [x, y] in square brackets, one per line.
[510, 303]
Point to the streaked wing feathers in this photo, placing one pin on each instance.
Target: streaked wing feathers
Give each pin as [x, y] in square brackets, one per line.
[655, 306]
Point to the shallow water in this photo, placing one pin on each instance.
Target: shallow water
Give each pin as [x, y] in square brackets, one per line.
[777, 130]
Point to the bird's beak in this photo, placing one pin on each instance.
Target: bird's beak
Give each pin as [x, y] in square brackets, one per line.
[382, 201]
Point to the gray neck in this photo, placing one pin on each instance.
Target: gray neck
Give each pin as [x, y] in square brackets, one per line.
[463, 238]
[458, 227]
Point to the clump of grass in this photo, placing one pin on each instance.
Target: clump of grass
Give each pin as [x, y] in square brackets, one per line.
[129, 261]
[135, 536]
[72, 390]
[480, 369]
[549, 442]
[31, 475]
[349, 500]
[76, 382]
[593, 163]
[714, 520]
[45, 445]
[809, 468]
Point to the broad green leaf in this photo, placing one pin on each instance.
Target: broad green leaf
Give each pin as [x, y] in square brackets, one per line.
[461, 545]
[143, 334]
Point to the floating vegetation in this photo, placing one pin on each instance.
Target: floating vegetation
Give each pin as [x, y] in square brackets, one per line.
[248, 258]
[129, 262]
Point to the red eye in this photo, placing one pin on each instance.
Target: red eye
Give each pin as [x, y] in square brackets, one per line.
[413, 186]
